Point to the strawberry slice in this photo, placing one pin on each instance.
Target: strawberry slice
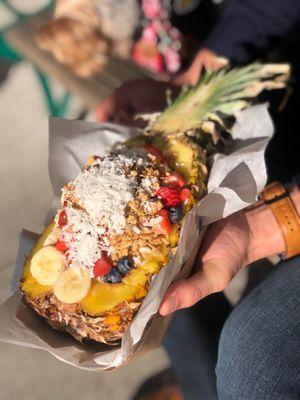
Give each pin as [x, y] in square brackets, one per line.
[102, 267]
[175, 178]
[185, 194]
[61, 246]
[170, 195]
[155, 152]
[62, 219]
[165, 225]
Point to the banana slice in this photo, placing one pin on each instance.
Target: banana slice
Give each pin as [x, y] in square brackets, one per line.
[52, 238]
[72, 285]
[46, 265]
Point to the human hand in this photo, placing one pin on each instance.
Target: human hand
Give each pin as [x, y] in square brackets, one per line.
[132, 98]
[229, 245]
[205, 59]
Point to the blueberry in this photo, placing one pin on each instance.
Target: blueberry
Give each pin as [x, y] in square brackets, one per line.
[175, 214]
[124, 265]
[114, 276]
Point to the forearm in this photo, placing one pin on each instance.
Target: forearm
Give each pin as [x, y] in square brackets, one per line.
[266, 236]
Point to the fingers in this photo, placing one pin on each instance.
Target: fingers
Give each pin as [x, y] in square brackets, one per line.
[115, 107]
[106, 109]
[210, 279]
[184, 294]
[189, 77]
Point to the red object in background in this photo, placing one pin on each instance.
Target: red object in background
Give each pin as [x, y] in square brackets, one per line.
[61, 246]
[165, 225]
[170, 195]
[152, 8]
[156, 152]
[62, 219]
[102, 267]
[158, 48]
[146, 54]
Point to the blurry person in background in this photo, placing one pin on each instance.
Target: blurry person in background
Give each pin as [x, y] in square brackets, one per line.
[259, 350]
[84, 34]
[248, 30]
[157, 34]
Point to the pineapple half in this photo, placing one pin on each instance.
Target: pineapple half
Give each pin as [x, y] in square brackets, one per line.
[120, 219]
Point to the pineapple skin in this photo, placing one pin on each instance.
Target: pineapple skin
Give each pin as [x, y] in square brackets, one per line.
[86, 320]
[107, 311]
[104, 315]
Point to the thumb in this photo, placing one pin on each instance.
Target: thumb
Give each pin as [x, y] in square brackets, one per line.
[185, 293]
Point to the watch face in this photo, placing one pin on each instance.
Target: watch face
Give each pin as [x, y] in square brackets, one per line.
[183, 7]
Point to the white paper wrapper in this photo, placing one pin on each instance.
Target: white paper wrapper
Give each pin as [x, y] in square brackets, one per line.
[234, 183]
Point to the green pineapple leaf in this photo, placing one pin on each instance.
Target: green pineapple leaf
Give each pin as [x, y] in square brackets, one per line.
[218, 94]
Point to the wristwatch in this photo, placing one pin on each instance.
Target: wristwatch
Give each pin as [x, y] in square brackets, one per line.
[276, 196]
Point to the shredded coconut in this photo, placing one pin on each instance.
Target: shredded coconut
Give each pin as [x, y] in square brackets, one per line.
[85, 246]
[95, 206]
[104, 190]
[139, 154]
[102, 193]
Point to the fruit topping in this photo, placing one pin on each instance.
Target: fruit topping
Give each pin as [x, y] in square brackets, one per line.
[175, 178]
[174, 236]
[164, 225]
[124, 265]
[151, 267]
[46, 265]
[170, 195]
[62, 219]
[185, 194]
[102, 267]
[73, 285]
[61, 246]
[155, 152]
[114, 276]
[175, 214]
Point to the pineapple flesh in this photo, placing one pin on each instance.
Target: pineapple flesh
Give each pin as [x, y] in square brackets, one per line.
[120, 219]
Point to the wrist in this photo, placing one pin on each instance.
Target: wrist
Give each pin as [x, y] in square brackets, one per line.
[294, 193]
[266, 238]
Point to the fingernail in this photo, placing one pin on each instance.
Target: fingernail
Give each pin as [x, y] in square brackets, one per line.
[171, 305]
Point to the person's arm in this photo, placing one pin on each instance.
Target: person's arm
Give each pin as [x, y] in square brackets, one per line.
[230, 244]
[244, 32]
[249, 27]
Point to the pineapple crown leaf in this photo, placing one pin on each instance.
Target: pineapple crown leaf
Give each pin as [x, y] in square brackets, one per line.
[223, 92]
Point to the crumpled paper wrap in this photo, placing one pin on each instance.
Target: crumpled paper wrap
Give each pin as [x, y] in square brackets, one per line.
[234, 183]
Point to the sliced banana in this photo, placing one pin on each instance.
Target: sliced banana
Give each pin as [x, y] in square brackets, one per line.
[46, 265]
[72, 285]
[52, 238]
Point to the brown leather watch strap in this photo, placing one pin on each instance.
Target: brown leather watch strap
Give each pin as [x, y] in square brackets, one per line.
[277, 198]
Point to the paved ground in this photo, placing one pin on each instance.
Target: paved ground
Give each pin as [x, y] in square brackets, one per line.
[27, 374]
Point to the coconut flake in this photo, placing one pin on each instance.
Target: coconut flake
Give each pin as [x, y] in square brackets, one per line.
[104, 190]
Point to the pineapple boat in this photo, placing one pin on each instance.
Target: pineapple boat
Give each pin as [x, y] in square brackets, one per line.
[120, 219]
